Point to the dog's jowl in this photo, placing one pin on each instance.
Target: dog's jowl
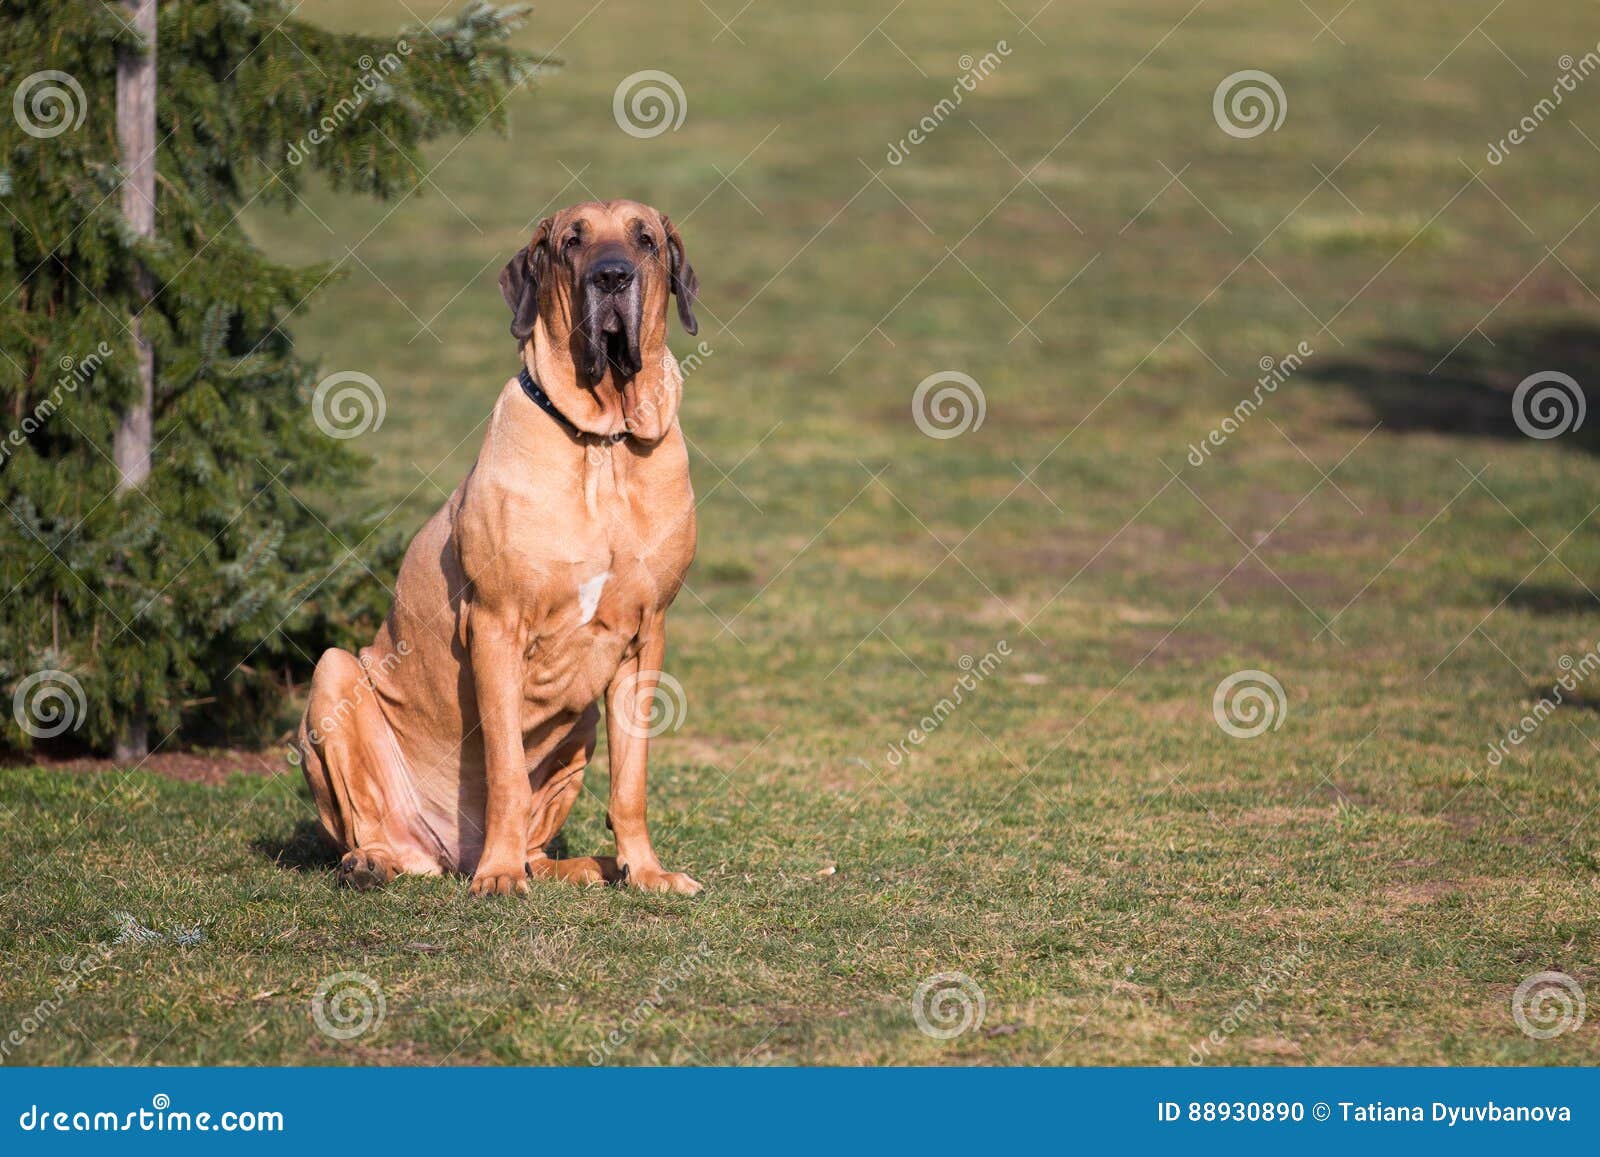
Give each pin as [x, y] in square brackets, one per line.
[457, 741]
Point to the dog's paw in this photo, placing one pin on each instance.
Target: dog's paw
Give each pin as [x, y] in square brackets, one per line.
[658, 880]
[363, 870]
[578, 870]
[489, 881]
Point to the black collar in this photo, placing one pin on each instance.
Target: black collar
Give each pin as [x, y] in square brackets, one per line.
[541, 399]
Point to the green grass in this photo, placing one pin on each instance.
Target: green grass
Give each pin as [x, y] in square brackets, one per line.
[1080, 837]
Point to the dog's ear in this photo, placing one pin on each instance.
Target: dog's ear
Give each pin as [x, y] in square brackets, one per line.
[685, 285]
[519, 282]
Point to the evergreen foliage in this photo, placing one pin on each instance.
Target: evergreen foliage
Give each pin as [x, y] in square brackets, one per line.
[193, 602]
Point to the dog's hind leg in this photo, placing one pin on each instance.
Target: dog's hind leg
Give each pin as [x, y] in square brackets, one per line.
[553, 798]
[353, 767]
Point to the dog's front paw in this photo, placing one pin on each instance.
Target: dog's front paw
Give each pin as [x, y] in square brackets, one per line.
[492, 880]
[659, 880]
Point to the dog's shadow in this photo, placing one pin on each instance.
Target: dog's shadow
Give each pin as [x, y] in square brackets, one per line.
[305, 849]
[308, 849]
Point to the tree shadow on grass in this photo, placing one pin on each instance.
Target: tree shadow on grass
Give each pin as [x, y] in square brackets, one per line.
[1580, 700]
[1469, 390]
[1553, 600]
[305, 849]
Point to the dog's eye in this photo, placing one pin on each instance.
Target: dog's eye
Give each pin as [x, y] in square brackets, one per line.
[571, 241]
[648, 241]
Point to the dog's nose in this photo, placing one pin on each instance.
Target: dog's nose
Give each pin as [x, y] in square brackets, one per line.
[612, 276]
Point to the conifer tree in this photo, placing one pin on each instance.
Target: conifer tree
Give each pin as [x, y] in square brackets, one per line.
[188, 602]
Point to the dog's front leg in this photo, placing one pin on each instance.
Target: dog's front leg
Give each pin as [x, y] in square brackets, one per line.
[628, 703]
[496, 652]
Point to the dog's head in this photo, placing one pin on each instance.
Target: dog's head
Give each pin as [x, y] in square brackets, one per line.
[596, 277]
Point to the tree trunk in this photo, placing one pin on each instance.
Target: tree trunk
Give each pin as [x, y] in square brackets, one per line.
[133, 741]
[136, 134]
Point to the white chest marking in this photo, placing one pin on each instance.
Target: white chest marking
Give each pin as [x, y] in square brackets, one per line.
[589, 595]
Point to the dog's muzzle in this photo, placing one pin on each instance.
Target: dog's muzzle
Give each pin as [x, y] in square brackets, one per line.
[613, 311]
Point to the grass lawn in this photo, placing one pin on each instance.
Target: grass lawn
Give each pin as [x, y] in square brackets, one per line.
[1123, 879]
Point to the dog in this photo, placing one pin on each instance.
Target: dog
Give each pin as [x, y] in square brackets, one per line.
[457, 741]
